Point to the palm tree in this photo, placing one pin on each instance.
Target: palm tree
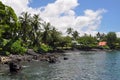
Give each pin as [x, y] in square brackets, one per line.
[75, 35]
[45, 34]
[25, 29]
[54, 37]
[69, 31]
[36, 26]
[36, 22]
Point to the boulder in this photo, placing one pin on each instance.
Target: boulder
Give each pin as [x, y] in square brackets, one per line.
[14, 67]
[52, 59]
[65, 58]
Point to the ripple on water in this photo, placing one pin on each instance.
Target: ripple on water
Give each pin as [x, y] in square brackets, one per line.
[79, 66]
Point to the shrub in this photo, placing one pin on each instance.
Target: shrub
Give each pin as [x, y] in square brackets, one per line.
[5, 41]
[117, 47]
[92, 46]
[106, 47]
[83, 47]
[35, 48]
[0, 49]
[17, 48]
[5, 53]
[45, 48]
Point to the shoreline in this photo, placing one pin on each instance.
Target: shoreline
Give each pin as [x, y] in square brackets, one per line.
[18, 60]
[44, 57]
[40, 57]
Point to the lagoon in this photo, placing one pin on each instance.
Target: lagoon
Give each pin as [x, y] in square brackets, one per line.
[81, 65]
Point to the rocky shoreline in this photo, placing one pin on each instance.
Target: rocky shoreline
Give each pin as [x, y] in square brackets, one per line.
[13, 63]
[29, 56]
[32, 56]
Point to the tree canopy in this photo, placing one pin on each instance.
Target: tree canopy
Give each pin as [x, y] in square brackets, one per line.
[17, 34]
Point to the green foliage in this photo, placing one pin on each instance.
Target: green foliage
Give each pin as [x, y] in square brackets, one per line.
[101, 36]
[117, 44]
[83, 47]
[92, 45]
[72, 33]
[45, 48]
[3, 44]
[75, 35]
[2, 6]
[29, 32]
[69, 31]
[8, 22]
[46, 32]
[68, 41]
[65, 41]
[5, 53]
[87, 40]
[0, 49]
[5, 41]
[36, 49]
[117, 47]
[106, 47]
[17, 48]
[25, 29]
[111, 39]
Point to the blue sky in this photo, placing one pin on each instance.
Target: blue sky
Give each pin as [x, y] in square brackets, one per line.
[85, 16]
[110, 20]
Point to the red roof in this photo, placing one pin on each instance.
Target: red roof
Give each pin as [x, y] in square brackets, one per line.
[103, 43]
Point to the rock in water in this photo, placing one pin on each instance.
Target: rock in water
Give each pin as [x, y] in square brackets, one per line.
[14, 67]
[65, 58]
[52, 59]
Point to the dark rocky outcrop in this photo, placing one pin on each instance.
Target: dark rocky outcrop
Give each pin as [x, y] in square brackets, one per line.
[65, 58]
[14, 67]
[52, 59]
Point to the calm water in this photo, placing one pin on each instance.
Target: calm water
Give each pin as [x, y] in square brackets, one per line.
[80, 66]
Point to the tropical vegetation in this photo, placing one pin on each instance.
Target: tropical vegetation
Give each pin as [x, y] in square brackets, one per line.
[17, 34]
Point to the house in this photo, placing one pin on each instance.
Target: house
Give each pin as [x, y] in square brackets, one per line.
[102, 43]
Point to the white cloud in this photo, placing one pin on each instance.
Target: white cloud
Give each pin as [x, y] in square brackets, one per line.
[61, 14]
[20, 6]
[59, 7]
[90, 20]
[118, 34]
